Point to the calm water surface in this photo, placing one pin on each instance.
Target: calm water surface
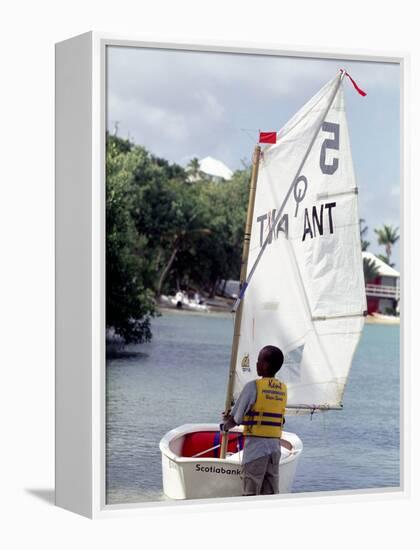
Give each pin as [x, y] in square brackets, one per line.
[181, 377]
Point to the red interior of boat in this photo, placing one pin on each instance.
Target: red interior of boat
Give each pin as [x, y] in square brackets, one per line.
[197, 442]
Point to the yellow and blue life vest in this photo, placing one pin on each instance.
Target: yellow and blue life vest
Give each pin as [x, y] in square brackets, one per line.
[266, 416]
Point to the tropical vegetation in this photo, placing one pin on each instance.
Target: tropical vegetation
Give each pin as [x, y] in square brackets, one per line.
[387, 236]
[165, 231]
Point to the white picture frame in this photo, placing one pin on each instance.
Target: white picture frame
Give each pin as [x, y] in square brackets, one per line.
[80, 261]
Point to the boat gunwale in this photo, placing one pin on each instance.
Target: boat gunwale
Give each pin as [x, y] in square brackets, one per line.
[191, 428]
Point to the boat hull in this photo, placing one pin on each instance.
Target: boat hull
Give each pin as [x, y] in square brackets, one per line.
[203, 477]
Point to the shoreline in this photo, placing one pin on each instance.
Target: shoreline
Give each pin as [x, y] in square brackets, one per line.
[224, 305]
[386, 320]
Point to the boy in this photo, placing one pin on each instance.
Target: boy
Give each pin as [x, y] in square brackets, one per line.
[260, 409]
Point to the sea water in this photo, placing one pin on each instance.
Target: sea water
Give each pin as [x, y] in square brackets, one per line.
[181, 376]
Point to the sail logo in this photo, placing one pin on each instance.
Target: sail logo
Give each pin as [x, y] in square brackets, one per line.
[245, 363]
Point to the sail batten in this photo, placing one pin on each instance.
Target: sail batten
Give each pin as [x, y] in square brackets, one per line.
[323, 196]
[305, 287]
[360, 314]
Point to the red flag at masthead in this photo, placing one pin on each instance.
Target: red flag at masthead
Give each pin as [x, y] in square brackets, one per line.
[356, 87]
[268, 137]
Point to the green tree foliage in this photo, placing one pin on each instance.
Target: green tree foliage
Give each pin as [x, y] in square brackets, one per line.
[129, 301]
[164, 233]
[387, 236]
[216, 254]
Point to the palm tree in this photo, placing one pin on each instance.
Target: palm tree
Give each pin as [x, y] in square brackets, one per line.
[193, 169]
[387, 236]
[365, 244]
[370, 270]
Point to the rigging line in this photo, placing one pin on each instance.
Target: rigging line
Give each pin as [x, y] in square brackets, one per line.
[287, 129]
[286, 198]
[284, 130]
[271, 220]
[305, 409]
[234, 440]
[319, 407]
[246, 132]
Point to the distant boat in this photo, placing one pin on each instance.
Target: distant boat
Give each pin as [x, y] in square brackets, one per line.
[181, 301]
[302, 289]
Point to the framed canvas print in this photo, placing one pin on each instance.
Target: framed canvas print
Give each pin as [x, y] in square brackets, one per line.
[229, 270]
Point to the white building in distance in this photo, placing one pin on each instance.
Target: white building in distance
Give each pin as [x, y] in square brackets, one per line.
[213, 169]
[383, 292]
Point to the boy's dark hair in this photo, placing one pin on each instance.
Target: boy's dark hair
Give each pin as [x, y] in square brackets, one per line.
[274, 358]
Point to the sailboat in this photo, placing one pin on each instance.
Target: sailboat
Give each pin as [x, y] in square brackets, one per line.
[302, 289]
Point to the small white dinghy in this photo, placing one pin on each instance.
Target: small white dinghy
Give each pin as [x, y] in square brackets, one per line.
[307, 294]
[201, 474]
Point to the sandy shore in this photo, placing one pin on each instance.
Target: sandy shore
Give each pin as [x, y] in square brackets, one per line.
[382, 320]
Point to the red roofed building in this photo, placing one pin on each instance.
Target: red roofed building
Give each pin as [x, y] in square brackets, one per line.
[383, 292]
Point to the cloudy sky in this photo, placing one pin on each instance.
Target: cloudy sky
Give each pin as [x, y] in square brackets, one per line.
[182, 104]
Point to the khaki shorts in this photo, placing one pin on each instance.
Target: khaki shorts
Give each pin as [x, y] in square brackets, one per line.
[261, 476]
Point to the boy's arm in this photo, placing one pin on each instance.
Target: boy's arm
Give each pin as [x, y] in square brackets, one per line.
[227, 424]
[244, 402]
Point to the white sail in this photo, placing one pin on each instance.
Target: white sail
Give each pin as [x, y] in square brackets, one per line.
[307, 293]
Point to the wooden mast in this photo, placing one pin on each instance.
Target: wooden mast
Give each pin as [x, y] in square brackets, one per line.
[238, 315]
